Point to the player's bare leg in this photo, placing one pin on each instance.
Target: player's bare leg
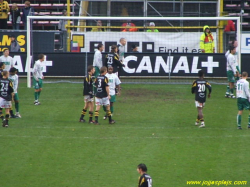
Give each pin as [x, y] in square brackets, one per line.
[197, 122]
[231, 85]
[200, 114]
[37, 94]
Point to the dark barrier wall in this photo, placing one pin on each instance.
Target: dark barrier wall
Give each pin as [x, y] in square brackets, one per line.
[42, 41]
[137, 64]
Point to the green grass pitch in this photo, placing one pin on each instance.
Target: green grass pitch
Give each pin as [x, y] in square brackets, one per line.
[155, 125]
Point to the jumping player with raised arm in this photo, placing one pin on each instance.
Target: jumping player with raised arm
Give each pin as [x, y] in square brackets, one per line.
[243, 98]
[102, 95]
[38, 77]
[199, 88]
[88, 95]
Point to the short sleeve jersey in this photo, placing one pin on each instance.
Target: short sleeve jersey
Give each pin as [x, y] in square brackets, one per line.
[101, 83]
[88, 85]
[113, 82]
[200, 87]
[8, 61]
[112, 59]
[145, 181]
[6, 89]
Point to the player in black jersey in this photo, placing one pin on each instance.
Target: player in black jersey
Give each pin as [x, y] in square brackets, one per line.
[2, 67]
[144, 180]
[6, 96]
[199, 89]
[88, 94]
[112, 59]
[102, 95]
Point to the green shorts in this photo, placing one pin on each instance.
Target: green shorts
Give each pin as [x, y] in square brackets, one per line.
[37, 84]
[16, 98]
[112, 99]
[230, 76]
[243, 104]
[97, 72]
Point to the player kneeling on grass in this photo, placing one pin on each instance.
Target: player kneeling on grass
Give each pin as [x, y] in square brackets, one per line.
[243, 98]
[38, 78]
[114, 85]
[231, 71]
[102, 95]
[88, 94]
[14, 79]
[6, 95]
[199, 89]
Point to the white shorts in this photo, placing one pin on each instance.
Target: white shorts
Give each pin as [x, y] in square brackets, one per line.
[102, 101]
[198, 104]
[4, 103]
[87, 98]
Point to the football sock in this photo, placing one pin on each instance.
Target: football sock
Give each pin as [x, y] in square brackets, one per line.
[197, 119]
[36, 96]
[96, 116]
[17, 107]
[11, 112]
[83, 113]
[104, 108]
[202, 120]
[1, 114]
[108, 113]
[112, 109]
[228, 89]
[232, 91]
[90, 116]
[7, 116]
[239, 120]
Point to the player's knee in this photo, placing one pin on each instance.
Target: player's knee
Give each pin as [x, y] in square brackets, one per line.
[16, 101]
[40, 89]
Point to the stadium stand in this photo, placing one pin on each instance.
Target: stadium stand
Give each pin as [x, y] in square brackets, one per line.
[233, 8]
[44, 8]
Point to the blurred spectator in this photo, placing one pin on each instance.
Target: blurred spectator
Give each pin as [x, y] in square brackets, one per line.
[135, 49]
[14, 47]
[98, 29]
[152, 29]
[27, 11]
[124, 12]
[15, 17]
[62, 28]
[207, 41]
[230, 26]
[129, 27]
[4, 9]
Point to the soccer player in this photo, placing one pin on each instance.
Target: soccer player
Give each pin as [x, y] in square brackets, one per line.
[38, 77]
[243, 98]
[144, 180]
[14, 79]
[235, 44]
[102, 95]
[121, 48]
[6, 95]
[7, 60]
[88, 95]
[231, 72]
[2, 66]
[199, 89]
[112, 59]
[97, 63]
[114, 85]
